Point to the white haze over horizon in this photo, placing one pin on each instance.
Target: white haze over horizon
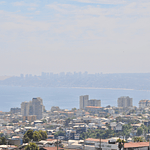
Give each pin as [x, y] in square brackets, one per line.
[109, 36]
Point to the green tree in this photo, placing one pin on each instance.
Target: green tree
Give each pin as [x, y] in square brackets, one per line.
[25, 138]
[28, 136]
[145, 128]
[139, 131]
[138, 139]
[29, 133]
[126, 129]
[43, 135]
[121, 143]
[2, 141]
[36, 136]
[31, 146]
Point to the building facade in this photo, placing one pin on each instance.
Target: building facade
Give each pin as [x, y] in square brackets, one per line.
[25, 108]
[84, 102]
[125, 101]
[15, 110]
[94, 102]
[144, 103]
[34, 107]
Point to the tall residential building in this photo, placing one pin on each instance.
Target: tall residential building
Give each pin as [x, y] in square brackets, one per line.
[37, 106]
[15, 110]
[144, 103]
[125, 101]
[34, 107]
[94, 102]
[84, 102]
[25, 108]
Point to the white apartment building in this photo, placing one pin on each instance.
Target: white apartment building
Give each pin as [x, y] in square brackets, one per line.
[34, 107]
[84, 102]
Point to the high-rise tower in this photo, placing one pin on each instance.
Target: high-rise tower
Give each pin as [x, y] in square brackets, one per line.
[84, 101]
[34, 107]
[125, 101]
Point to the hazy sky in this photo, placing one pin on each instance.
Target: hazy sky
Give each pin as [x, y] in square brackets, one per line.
[109, 36]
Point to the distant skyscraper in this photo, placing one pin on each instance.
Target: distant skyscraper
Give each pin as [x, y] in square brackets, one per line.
[84, 101]
[94, 102]
[37, 106]
[125, 101]
[34, 107]
[25, 108]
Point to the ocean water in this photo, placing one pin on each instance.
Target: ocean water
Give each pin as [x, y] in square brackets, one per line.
[65, 98]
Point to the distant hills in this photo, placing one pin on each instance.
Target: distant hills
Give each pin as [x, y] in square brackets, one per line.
[138, 81]
[4, 77]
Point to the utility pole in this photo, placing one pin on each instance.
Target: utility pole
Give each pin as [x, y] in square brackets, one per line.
[100, 146]
[149, 144]
[84, 144]
[57, 143]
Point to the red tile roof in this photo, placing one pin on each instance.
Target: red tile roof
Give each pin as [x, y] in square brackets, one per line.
[136, 144]
[92, 107]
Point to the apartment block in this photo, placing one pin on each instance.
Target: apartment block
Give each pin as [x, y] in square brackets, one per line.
[125, 101]
[84, 102]
[144, 103]
[34, 107]
[94, 102]
[30, 118]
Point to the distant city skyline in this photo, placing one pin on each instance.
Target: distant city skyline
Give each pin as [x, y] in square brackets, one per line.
[74, 35]
[2, 77]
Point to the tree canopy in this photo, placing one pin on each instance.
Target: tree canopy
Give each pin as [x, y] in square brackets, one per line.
[31, 146]
[138, 139]
[35, 136]
[2, 141]
[121, 143]
[139, 131]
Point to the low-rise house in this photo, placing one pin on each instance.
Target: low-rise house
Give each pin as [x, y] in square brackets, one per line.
[8, 147]
[113, 125]
[80, 112]
[103, 128]
[119, 126]
[104, 144]
[92, 126]
[74, 144]
[15, 140]
[93, 109]
[135, 126]
[50, 137]
[77, 136]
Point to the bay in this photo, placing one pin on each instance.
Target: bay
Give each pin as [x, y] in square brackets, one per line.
[65, 98]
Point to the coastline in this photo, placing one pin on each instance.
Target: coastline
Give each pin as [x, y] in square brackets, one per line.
[103, 88]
